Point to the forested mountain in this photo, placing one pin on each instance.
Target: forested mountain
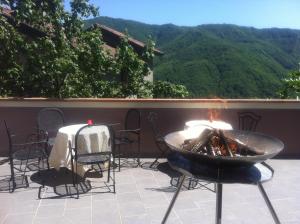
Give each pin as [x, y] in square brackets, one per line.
[222, 60]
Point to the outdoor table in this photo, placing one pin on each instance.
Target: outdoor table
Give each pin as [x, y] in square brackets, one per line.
[60, 154]
[254, 174]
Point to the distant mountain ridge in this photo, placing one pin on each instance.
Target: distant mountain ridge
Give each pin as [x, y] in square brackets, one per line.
[221, 60]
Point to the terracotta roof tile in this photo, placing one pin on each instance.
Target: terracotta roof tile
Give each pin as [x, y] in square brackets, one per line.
[120, 35]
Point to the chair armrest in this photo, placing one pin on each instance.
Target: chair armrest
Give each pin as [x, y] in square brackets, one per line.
[29, 143]
[114, 124]
[127, 133]
[135, 131]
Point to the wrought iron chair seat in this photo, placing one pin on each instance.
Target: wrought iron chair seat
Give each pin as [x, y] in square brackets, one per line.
[124, 140]
[95, 158]
[24, 154]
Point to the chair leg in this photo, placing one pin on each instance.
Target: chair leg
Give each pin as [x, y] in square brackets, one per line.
[119, 158]
[12, 176]
[155, 161]
[108, 170]
[48, 166]
[76, 181]
[72, 168]
[114, 178]
[139, 152]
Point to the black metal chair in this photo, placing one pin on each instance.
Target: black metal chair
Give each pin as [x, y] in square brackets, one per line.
[158, 137]
[131, 134]
[33, 147]
[50, 120]
[94, 146]
[248, 121]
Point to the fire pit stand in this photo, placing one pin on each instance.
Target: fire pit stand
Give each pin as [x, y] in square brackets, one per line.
[254, 174]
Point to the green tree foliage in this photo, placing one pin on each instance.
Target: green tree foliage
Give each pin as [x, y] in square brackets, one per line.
[164, 89]
[39, 66]
[132, 71]
[67, 61]
[291, 85]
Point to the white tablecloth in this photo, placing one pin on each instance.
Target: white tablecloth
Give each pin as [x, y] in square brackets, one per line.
[60, 154]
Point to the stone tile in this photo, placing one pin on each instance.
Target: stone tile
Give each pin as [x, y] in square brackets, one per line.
[132, 208]
[194, 216]
[106, 212]
[126, 188]
[78, 215]
[21, 207]
[156, 214]
[148, 190]
[155, 201]
[81, 202]
[18, 219]
[124, 178]
[103, 196]
[126, 197]
[51, 220]
[138, 219]
[146, 181]
[185, 203]
[50, 211]
[53, 201]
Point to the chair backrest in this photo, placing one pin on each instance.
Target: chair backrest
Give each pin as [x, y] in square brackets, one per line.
[152, 118]
[37, 139]
[92, 139]
[133, 119]
[248, 121]
[158, 137]
[9, 136]
[50, 120]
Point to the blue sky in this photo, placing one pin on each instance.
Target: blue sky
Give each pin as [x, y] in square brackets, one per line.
[256, 13]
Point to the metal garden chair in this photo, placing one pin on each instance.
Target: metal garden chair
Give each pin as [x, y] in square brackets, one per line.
[158, 138]
[131, 134]
[94, 146]
[33, 147]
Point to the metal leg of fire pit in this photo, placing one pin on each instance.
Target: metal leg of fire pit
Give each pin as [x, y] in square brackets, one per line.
[219, 188]
[173, 199]
[268, 202]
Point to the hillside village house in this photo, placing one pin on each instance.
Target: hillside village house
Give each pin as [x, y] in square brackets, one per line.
[112, 39]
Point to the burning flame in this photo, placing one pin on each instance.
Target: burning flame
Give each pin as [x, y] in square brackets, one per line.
[213, 114]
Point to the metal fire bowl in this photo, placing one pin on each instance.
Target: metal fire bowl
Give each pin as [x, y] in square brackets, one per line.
[257, 141]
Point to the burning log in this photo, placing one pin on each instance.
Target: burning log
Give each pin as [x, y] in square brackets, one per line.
[213, 142]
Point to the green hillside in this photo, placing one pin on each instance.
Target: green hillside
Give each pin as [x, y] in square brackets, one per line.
[225, 61]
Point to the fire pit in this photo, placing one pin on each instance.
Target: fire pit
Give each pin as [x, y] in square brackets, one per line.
[222, 156]
[241, 147]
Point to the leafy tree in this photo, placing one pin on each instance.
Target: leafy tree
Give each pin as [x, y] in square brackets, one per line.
[40, 66]
[67, 61]
[291, 85]
[165, 89]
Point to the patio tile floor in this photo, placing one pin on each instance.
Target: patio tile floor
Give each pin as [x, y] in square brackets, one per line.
[143, 195]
